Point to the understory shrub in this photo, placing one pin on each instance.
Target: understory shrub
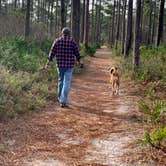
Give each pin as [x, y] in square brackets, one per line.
[154, 113]
[152, 64]
[24, 84]
[90, 50]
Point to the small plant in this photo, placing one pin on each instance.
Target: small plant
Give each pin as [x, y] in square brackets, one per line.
[153, 111]
[156, 138]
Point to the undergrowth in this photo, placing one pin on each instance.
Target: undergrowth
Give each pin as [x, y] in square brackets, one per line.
[154, 114]
[152, 64]
[152, 73]
[24, 85]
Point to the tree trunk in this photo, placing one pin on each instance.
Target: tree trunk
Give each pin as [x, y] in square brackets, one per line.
[137, 35]
[15, 4]
[38, 10]
[150, 22]
[56, 18]
[92, 22]
[51, 17]
[123, 25]
[75, 28]
[0, 6]
[154, 21]
[98, 22]
[113, 24]
[160, 23]
[63, 21]
[48, 15]
[27, 19]
[83, 19]
[23, 4]
[86, 23]
[129, 28]
[118, 24]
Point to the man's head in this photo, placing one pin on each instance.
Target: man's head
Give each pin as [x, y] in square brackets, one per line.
[66, 31]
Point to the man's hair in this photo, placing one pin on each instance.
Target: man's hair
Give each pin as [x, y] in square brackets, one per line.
[66, 31]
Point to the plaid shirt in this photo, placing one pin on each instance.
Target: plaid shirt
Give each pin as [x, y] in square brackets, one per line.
[66, 50]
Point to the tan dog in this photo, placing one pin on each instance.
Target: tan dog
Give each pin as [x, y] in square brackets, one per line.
[114, 80]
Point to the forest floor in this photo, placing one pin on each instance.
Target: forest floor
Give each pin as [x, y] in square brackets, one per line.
[97, 129]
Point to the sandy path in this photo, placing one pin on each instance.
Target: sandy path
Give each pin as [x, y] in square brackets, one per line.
[97, 129]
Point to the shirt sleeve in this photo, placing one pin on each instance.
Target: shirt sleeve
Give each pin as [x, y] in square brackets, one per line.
[76, 50]
[52, 51]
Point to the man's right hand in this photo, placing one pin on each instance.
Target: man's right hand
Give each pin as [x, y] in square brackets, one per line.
[46, 66]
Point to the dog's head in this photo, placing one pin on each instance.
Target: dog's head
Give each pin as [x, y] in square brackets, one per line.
[113, 70]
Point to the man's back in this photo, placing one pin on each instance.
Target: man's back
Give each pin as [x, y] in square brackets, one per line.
[65, 49]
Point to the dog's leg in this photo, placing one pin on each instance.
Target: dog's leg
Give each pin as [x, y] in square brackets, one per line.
[113, 88]
[117, 88]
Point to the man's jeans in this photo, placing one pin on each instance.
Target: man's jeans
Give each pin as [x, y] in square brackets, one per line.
[64, 81]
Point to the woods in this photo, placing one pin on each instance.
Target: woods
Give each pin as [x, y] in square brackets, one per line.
[127, 34]
[113, 17]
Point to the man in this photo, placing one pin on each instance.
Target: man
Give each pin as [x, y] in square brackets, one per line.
[66, 51]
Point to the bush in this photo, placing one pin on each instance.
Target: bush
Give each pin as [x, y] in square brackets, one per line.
[156, 138]
[152, 64]
[90, 50]
[153, 111]
[24, 85]
[19, 54]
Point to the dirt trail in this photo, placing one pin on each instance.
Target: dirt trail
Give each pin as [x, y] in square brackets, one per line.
[98, 128]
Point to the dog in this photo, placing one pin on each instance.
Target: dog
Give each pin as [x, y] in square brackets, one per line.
[114, 80]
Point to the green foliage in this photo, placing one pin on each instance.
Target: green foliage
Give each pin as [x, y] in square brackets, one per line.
[116, 51]
[90, 50]
[19, 54]
[153, 111]
[152, 64]
[24, 85]
[156, 137]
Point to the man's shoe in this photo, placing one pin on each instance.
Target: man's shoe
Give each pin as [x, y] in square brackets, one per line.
[63, 105]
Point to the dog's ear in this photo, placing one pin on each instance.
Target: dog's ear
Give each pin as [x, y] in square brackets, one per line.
[112, 71]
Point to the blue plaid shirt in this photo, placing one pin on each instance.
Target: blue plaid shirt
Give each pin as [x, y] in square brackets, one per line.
[66, 51]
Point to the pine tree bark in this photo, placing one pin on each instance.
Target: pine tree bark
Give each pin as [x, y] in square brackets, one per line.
[129, 28]
[15, 4]
[56, 17]
[75, 29]
[154, 21]
[142, 12]
[27, 19]
[0, 6]
[51, 17]
[86, 23]
[113, 24]
[123, 25]
[150, 23]
[137, 36]
[98, 35]
[63, 21]
[92, 21]
[23, 4]
[83, 19]
[96, 20]
[160, 23]
[118, 24]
